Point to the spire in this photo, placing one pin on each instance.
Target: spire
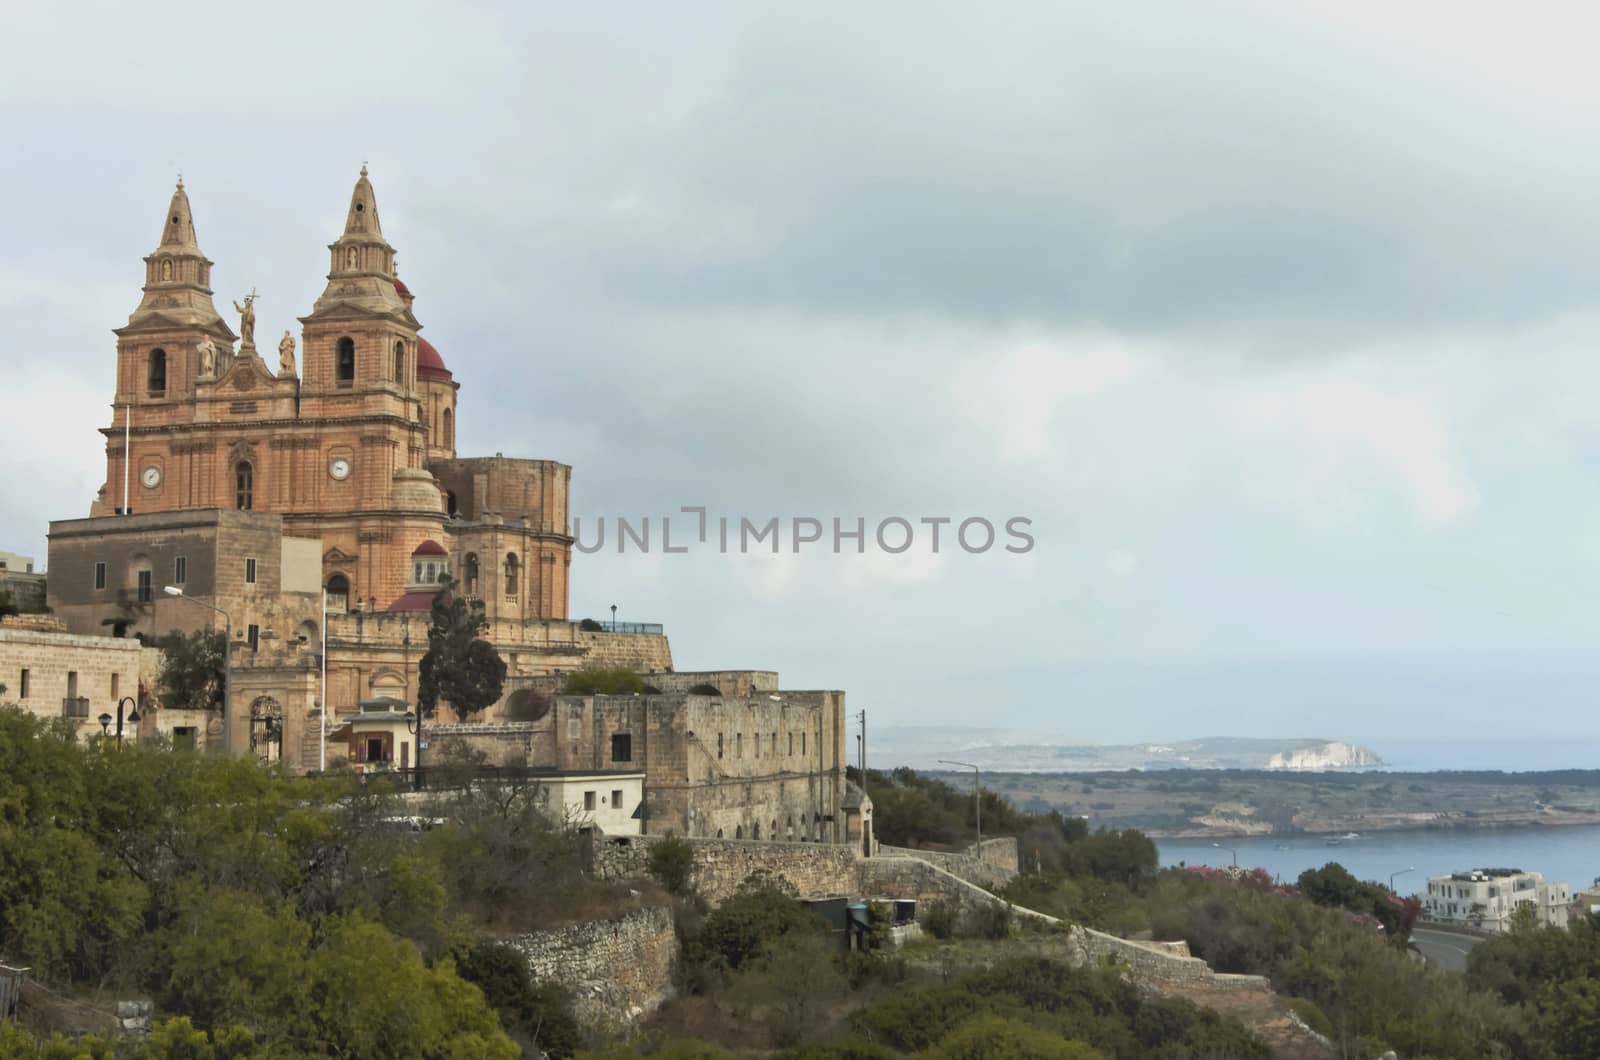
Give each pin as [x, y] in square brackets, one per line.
[361, 261]
[177, 277]
[177, 229]
[362, 220]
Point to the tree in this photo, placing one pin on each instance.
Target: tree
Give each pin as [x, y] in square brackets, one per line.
[192, 669]
[459, 667]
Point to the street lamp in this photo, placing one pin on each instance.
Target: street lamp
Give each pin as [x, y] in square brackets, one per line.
[227, 663]
[1400, 872]
[613, 618]
[977, 795]
[1230, 850]
[414, 727]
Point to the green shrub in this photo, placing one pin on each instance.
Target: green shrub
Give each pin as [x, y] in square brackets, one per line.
[672, 863]
[939, 919]
[602, 681]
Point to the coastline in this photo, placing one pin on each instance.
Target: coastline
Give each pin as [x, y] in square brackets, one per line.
[1414, 822]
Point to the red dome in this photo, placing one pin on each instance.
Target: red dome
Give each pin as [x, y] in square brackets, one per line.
[429, 364]
[429, 547]
[404, 291]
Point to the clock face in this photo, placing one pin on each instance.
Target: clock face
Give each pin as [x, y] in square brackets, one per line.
[151, 477]
[339, 469]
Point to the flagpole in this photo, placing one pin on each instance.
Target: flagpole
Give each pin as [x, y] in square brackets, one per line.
[127, 452]
[322, 721]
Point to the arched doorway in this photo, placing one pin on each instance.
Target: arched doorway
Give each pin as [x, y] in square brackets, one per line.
[266, 729]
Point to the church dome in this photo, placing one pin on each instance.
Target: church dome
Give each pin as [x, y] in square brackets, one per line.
[429, 547]
[429, 364]
[403, 291]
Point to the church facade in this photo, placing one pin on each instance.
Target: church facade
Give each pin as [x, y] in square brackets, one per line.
[337, 478]
[321, 501]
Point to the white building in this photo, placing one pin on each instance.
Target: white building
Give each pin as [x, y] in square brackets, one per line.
[585, 801]
[1487, 898]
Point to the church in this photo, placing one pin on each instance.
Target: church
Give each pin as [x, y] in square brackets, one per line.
[297, 502]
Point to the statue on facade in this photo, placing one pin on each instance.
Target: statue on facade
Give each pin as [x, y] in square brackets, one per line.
[286, 356]
[208, 356]
[247, 320]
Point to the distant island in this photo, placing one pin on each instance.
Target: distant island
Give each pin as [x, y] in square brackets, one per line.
[1013, 752]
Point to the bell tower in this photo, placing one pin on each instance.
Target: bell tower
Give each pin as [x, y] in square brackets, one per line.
[361, 336]
[159, 350]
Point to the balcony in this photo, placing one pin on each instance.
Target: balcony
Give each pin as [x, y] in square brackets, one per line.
[142, 594]
[75, 707]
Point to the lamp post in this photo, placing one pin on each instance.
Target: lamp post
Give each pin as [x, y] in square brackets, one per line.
[1399, 872]
[1230, 850]
[227, 663]
[414, 727]
[613, 618]
[977, 794]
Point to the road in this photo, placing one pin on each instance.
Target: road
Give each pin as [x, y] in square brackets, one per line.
[1444, 949]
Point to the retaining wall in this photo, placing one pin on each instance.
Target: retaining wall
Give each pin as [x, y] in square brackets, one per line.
[617, 970]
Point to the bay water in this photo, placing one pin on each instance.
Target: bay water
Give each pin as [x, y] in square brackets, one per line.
[1565, 854]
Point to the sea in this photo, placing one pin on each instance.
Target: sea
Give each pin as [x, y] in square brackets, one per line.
[1566, 854]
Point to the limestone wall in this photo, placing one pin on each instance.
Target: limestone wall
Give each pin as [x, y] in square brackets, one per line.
[720, 865]
[618, 970]
[992, 866]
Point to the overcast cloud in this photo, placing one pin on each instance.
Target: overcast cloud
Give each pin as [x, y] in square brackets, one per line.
[1279, 321]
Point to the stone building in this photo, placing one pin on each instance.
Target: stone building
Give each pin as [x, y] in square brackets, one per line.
[53, 674]
[320, 503]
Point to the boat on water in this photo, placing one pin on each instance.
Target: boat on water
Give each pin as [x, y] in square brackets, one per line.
[1333, 841]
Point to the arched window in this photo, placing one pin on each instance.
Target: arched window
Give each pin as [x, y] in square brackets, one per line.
[244, 480]
[472, 573]
[400, 363]
[346, 366]
[449, 430]
[774, 833]
[511, 575]
[158, 373]
[755, 830]
[738, 831]
[338, 593]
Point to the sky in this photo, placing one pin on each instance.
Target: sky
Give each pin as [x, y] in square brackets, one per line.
[1278, 323]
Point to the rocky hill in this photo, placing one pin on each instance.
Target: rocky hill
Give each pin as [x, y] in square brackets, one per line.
[1018, 752]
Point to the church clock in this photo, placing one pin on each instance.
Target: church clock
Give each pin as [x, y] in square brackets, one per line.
[339, 468]
[151, 477]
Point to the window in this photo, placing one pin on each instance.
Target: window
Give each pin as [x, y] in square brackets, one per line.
[774, 743]
[449, 430]
[22, 693]
[345, 366]
[791, 743]
[622, 747]
[616, 798]
[180, 570]
[114, 682]
[588, 800]
[511, 575]
[802, 743]
[244, 480]
[719, 745]
[146, 590]
[400, 363]
[338, 593]
[472, 573]
[738, 745]
[250, 571]
[252, 636]
[99, 575]
[157, 376]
